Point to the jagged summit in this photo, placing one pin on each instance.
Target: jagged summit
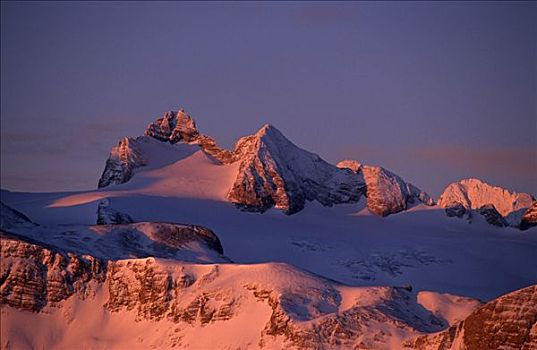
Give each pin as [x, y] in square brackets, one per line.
[173, 127]
[275, 172]
[473, 194]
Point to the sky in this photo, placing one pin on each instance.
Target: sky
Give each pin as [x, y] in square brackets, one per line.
[434, 91]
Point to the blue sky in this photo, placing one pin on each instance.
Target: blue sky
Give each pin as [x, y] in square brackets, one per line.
[434, 91]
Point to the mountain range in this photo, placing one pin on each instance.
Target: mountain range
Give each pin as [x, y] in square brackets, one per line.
[185, 244]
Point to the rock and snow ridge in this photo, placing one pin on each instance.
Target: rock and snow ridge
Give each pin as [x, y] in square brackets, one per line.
[273, 172]
[386, 192]
[190, 243]
[499, 206]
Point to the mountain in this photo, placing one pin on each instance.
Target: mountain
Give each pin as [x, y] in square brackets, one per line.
[152, 272]
[508, 322]
[272, 171]
[123, 159]
[275, 172]
[386, 192]
[461, 197]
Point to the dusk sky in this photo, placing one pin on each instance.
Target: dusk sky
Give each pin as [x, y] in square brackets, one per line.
[434, 91]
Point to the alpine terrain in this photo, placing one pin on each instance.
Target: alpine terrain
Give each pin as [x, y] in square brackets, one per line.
[188, 245]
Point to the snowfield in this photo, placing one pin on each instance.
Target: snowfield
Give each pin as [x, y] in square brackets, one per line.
[420, 246]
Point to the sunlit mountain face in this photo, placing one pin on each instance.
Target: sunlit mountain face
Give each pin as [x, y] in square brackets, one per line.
[276, 175]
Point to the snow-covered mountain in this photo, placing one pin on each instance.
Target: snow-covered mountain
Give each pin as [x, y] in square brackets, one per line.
[272, 171]
[499, 206]
[139, 262]
[386, 192]
[275, 172]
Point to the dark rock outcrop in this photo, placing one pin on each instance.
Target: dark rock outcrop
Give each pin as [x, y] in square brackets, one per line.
[456, 210]
[492, 216]
[529, 218]
[106, 215]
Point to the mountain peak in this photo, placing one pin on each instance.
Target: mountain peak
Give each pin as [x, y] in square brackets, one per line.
[173, 127]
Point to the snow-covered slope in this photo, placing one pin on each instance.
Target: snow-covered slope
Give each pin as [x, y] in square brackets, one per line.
[137, 240]
[386, 192]
[460, 197]
[48, 293]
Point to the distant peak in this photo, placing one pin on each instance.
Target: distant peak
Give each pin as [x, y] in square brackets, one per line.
[267, 128]
[173, 127]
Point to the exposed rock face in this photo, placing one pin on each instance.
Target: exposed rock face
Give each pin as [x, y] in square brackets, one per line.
[32, 276]
[492, 216]
[456, 210]
[12, 218]
[354, 165]
[386, 192]
[275, 172]
[123, 159]
[529, 219]
[178, 126]
[508, 322]
[474, 194]
[173, 127]
[304, 309]
[106, 215]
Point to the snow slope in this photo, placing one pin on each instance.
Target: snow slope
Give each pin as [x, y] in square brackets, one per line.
[420, 246]
[80, 301]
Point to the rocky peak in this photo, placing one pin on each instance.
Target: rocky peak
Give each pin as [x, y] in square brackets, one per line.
[386, 192]
[123, 159]
[275, 172]
[474, 194]
[173, 127]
